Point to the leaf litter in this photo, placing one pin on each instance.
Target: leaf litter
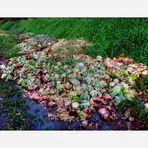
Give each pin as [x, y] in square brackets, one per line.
[73, 90]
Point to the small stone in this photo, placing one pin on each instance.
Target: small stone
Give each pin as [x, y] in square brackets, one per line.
[75, 105]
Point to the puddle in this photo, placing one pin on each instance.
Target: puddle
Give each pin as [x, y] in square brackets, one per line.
[41, 121]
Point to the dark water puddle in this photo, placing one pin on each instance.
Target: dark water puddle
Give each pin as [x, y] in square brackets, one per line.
[3, 120]
[3, 117]
[41, 121]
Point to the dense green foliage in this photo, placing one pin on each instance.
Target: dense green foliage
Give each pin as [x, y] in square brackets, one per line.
[110, 36]
[7, 46]
[136, 109]
[142, 83]
[14, 107]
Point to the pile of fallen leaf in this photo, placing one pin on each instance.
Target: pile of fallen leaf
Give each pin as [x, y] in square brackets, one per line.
[75, 89]
[57, 48]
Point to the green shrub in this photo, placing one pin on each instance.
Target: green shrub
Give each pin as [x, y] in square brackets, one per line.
[7, 46]
[15, 108]
[110, 36]
[142, 83]
[136, 108]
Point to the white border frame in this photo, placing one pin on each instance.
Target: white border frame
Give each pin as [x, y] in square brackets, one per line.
[73, 8]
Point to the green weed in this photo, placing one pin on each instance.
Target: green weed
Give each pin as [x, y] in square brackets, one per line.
[110, 36]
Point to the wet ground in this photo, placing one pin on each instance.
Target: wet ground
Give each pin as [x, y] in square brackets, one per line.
[3, 117]
[41, 122]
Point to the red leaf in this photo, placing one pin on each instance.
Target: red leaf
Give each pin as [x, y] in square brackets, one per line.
[35, 96]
